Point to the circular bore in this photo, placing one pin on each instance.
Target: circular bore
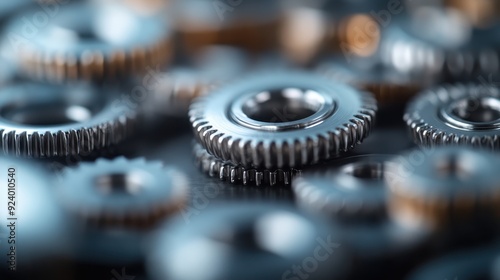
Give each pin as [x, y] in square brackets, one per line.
[441, 42]
[88, 41]
[235, 174]
[246, 241]
[354, 189]
[41, 120]
[201, 23]
[281, 119]
[456, 115]
[123, 193]
[444, 186]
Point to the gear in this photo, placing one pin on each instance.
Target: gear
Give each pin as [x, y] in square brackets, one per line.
[445, 187]
[81, 41]
[354, 189]
[40, 120]
[224, 170]
[281, 119]
[246, 241]
[456, 115]
[424, 44]
[121, 192]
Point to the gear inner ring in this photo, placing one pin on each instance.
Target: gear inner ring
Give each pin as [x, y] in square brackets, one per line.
[469, 113]
[281, 109]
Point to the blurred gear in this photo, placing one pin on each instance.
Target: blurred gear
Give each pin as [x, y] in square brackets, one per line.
[41, 120]
[481, 13]
[354, 189]
[441, 42]
[251, 25]
[235, 174]
[248, 241]
[89, 41]
[281, 119]
[445, 187]
[123, 193]
[456, 115]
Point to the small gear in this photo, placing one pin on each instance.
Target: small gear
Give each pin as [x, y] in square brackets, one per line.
[354, 189]
[456, 115]
[41, 120]
[441, 42]
[281, 119]
[123, 193]
[444, 187]
[246, 241]
[227, 171]
[82, 42]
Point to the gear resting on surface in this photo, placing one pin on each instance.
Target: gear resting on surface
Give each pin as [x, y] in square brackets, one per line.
[281, 119]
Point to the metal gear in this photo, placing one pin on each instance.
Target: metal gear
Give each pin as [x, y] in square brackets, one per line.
[235, 174]
[41, 120]
[123, 193]
[444, 187]
[441, 42]
[80, 42]
[246, 241]
[354, 189]
[456, 115]
[281, 119]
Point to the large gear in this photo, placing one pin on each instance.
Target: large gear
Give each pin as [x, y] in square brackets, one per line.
[354, 189]
[281, 119]
[444, 187]
[40, 120]
[123, 193]
[235, 174]
[456, 115]
[81, 41]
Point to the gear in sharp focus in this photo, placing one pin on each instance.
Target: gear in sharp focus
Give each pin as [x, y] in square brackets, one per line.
[281, 119]
[41, 120]
[444, 187]
[355, 188]
[123, 193]
[456, 115]
[246, 242]
[235, 174]
[82, 41]
[441, 42]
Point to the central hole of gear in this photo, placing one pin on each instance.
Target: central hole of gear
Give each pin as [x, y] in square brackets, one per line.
[119, 183]
[477, 110]
[55, 114]
[282, 105]
[366, 171]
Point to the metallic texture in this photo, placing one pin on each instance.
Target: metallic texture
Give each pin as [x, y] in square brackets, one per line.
[281, 119]
[246, 241]
[354, 189]
[122, 192]
[456, 115]
[40, 120]
[441, 42]
[236, 174]
[89, 41]
[444, 187]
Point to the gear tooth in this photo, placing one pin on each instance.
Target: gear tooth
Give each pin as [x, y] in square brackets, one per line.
[35, 145]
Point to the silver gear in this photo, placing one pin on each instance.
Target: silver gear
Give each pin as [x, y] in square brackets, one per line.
[281, 119]
[456, 115]
[355, 188]
[41, 120]
[235, 174]
[121, 192]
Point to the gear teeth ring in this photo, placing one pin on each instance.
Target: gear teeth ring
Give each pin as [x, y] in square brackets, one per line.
[243, 124]
[226, 171]
[455, 115]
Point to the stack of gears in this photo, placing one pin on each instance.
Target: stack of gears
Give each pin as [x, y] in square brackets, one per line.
[336, 139]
